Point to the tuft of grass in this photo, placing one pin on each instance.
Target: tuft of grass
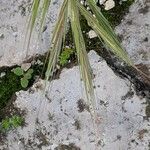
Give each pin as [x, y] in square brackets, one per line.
[70, 13]
[57, 39]
[85, 69]
[65, 55]
[104, 30]
[11, 123]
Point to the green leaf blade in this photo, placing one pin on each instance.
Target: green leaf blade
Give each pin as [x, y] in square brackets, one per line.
[84, 64]
[27, 76]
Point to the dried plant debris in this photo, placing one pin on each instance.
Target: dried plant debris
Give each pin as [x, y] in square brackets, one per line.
[67, 147]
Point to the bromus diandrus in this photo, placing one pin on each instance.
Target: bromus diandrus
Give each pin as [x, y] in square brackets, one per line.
[70, 14]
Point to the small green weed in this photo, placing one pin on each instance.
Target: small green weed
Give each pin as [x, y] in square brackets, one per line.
[25, 76]
[11, 123]
[65, 55]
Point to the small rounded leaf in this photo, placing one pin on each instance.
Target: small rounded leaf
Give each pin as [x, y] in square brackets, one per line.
[18, 71]
[27, 76]
[24, 82]
[30, 71]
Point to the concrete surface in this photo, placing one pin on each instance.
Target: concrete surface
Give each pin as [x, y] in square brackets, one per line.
[63, 119]
[14, 17]
[134, 32]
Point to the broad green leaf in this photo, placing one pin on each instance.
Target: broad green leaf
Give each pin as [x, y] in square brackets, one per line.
[28, 75]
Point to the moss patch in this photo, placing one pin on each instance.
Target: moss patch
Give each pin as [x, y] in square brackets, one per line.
[9, 84]
[116, 14]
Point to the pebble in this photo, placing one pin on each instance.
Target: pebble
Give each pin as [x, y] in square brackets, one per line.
[2, 74]
[25, 66]
[92, 34]
[109, 4]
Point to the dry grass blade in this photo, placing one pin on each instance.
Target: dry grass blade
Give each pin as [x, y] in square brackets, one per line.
[101, 26]
[45, 7]
[84, 64]
[56, 45]
[35, 15]
[57, 39]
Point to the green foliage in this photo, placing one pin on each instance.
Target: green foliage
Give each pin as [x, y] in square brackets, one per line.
[26, 76]
[115, 15]
[11, 123]
[65, 55]
[105, 32]
[18, 71]
[24, 82]
[16, 121]
[9, 84]
[5, 125]
[35, 13]
[57, 39]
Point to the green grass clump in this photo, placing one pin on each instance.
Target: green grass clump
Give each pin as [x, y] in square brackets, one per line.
[65, 55]
[114, 16]
[11, 123]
